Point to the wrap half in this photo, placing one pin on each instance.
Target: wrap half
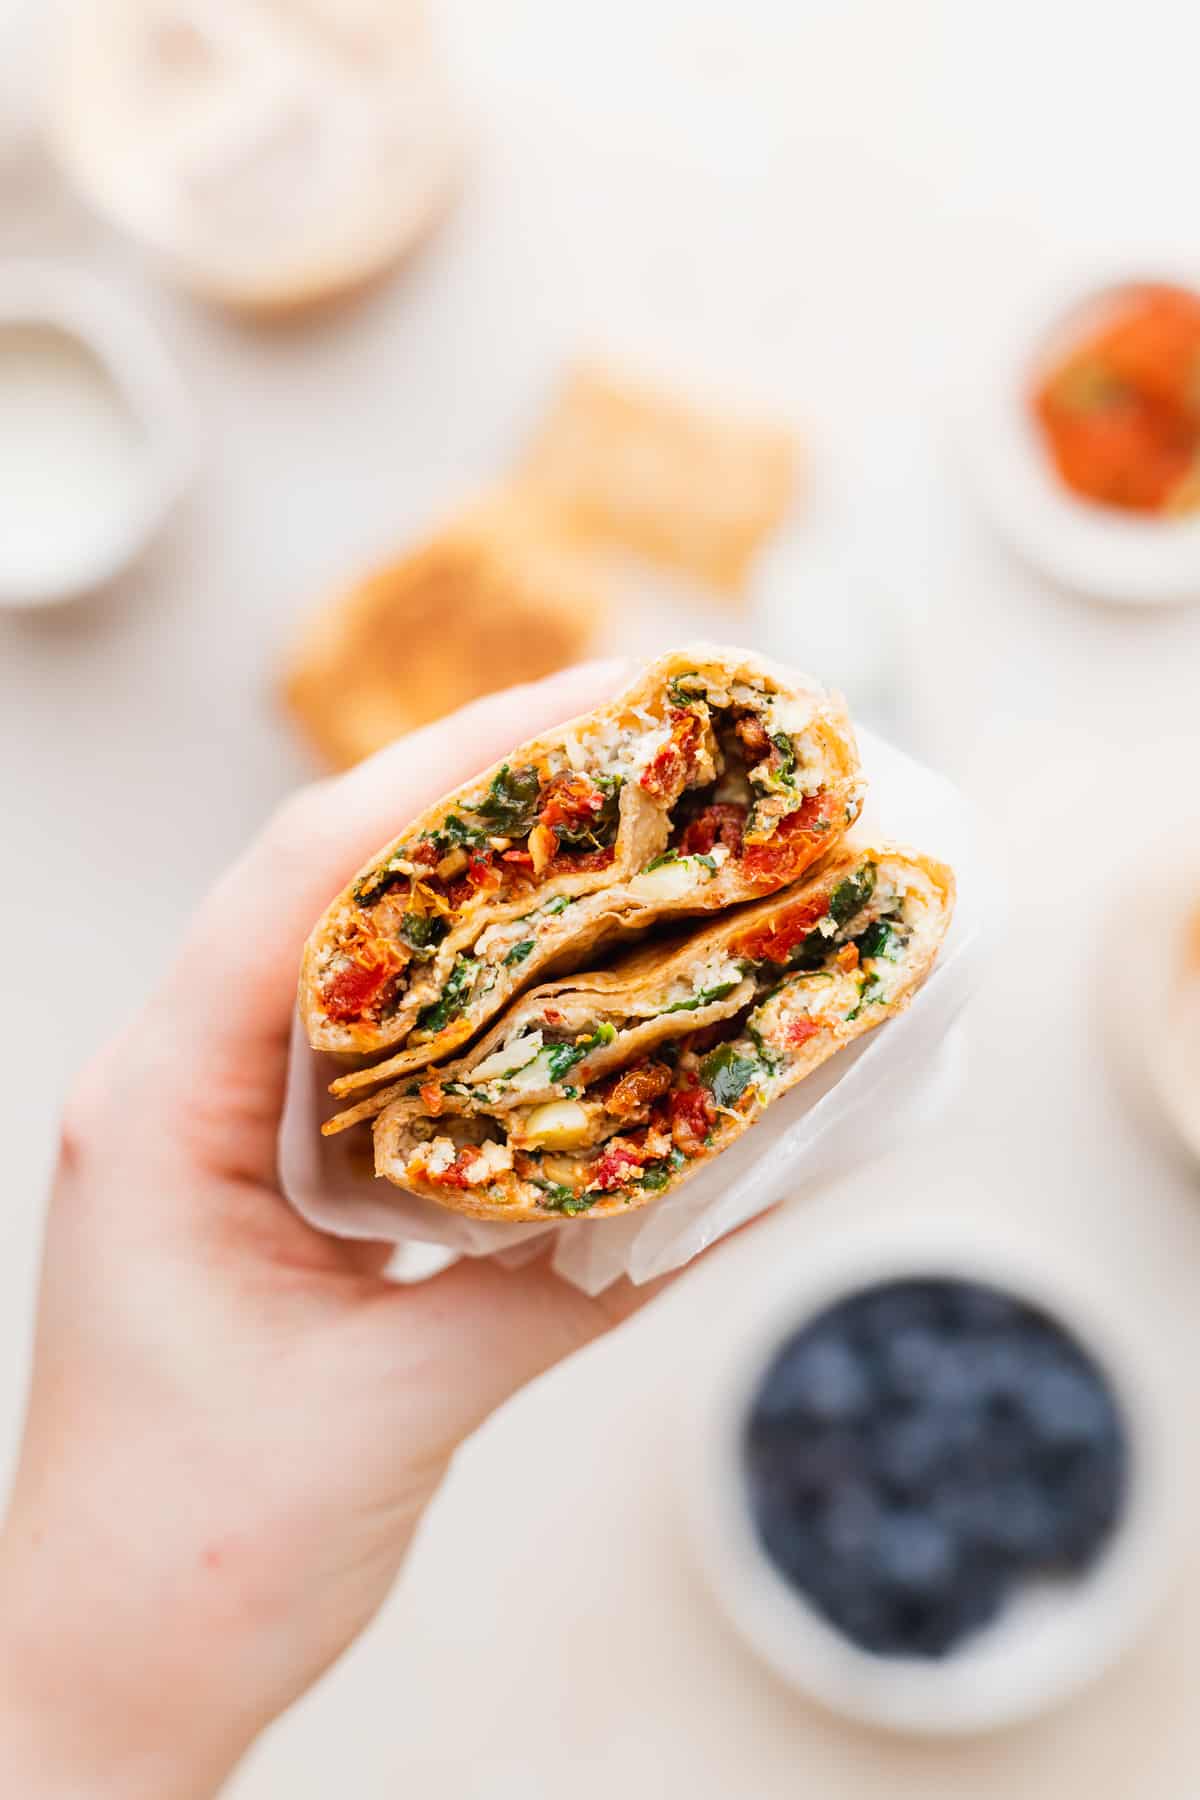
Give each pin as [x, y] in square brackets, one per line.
[714, 779]
[598, 1093]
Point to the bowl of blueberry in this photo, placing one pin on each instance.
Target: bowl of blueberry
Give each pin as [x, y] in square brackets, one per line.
[930, 1481]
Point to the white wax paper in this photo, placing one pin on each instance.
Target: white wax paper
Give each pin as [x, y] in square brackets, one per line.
[861, 1101]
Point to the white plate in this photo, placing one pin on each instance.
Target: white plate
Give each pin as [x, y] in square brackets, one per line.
[1052, 1638]
[1108, 555]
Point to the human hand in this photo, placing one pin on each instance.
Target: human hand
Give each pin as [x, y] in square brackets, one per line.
[235, 1422]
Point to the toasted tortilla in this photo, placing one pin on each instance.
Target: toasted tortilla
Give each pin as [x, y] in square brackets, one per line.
[471, 903]
[597, 1094]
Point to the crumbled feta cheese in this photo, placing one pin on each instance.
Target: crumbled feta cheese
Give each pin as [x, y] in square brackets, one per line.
[493, 1159]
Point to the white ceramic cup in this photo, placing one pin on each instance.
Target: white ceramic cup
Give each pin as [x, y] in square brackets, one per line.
[145, 386]
[1054, 1635]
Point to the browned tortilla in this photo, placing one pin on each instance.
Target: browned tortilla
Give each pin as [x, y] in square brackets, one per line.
[607, 902]
[624, 996]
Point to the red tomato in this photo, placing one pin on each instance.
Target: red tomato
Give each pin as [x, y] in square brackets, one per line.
[669, 770]
[723, 823]
[571, 800]
[353, 988]
[775, 941]
[692, 1117]
[797, 842]
[619, 1164]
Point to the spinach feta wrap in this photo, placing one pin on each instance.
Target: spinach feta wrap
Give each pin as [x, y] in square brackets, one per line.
[715, 778]
[597, 1093]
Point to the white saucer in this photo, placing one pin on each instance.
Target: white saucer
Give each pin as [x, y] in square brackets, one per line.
[1096, 551]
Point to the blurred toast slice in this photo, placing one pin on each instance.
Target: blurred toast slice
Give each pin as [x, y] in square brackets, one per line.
[626, 465]
[491, 599]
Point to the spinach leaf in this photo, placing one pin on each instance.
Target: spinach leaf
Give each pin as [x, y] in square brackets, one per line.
[559, 1198]
[377, 882]
[455, 834]
[870, 993]
[701, 999]
[510, 804]
[679, 695]
[518, 953]
[852, 894]
[453, 997]
[655, 1175]
[559, 904]
[598, 830]
[879, 939]
[421, 934]
[786, 770]
[673, 856]
[561, 1057]
[727, 1074]
[768, 1058]
[811, 951]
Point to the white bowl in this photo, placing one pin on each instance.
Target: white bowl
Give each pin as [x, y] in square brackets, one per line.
[1053, 1636]
[146, 387]
[1094, 550]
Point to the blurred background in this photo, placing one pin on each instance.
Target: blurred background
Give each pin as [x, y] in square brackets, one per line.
[591, 328]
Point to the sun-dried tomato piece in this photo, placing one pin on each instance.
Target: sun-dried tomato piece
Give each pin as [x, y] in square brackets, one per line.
[800, 1030]
[354, 988]
[636, 1088]
[775, 941]
[570, 862]
[668, 771]
[692, 1118]
[722, 823]
[571, 800]
[456, 1175]
[753, 735]
[797, 841]
[621, 1162]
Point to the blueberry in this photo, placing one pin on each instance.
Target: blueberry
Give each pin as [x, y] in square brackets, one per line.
[975, 1309]
[910, 1449]
[913, 1553]
[816, 1377]
[998, 1369]
[851, 1521]
[861, 1612]
[1015, 1518]
[805, 1461]
[1088, 1503]
[788, 1539]
[909, 1359]
[879, 1314]
[934, 1628]
[1067, 1408]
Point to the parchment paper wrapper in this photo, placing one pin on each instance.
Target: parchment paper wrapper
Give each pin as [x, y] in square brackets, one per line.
[859, 1103]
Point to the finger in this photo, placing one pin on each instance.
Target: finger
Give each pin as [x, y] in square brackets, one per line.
[232, 991]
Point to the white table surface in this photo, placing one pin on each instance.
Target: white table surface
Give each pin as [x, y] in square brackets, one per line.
[808, 206]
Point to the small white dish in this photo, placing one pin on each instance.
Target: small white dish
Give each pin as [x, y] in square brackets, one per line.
[1053, 1637]
[95, 446]
[1100, 552]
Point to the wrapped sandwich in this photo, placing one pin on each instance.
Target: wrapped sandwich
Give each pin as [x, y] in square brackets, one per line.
[600, 1092]
[715, 779]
